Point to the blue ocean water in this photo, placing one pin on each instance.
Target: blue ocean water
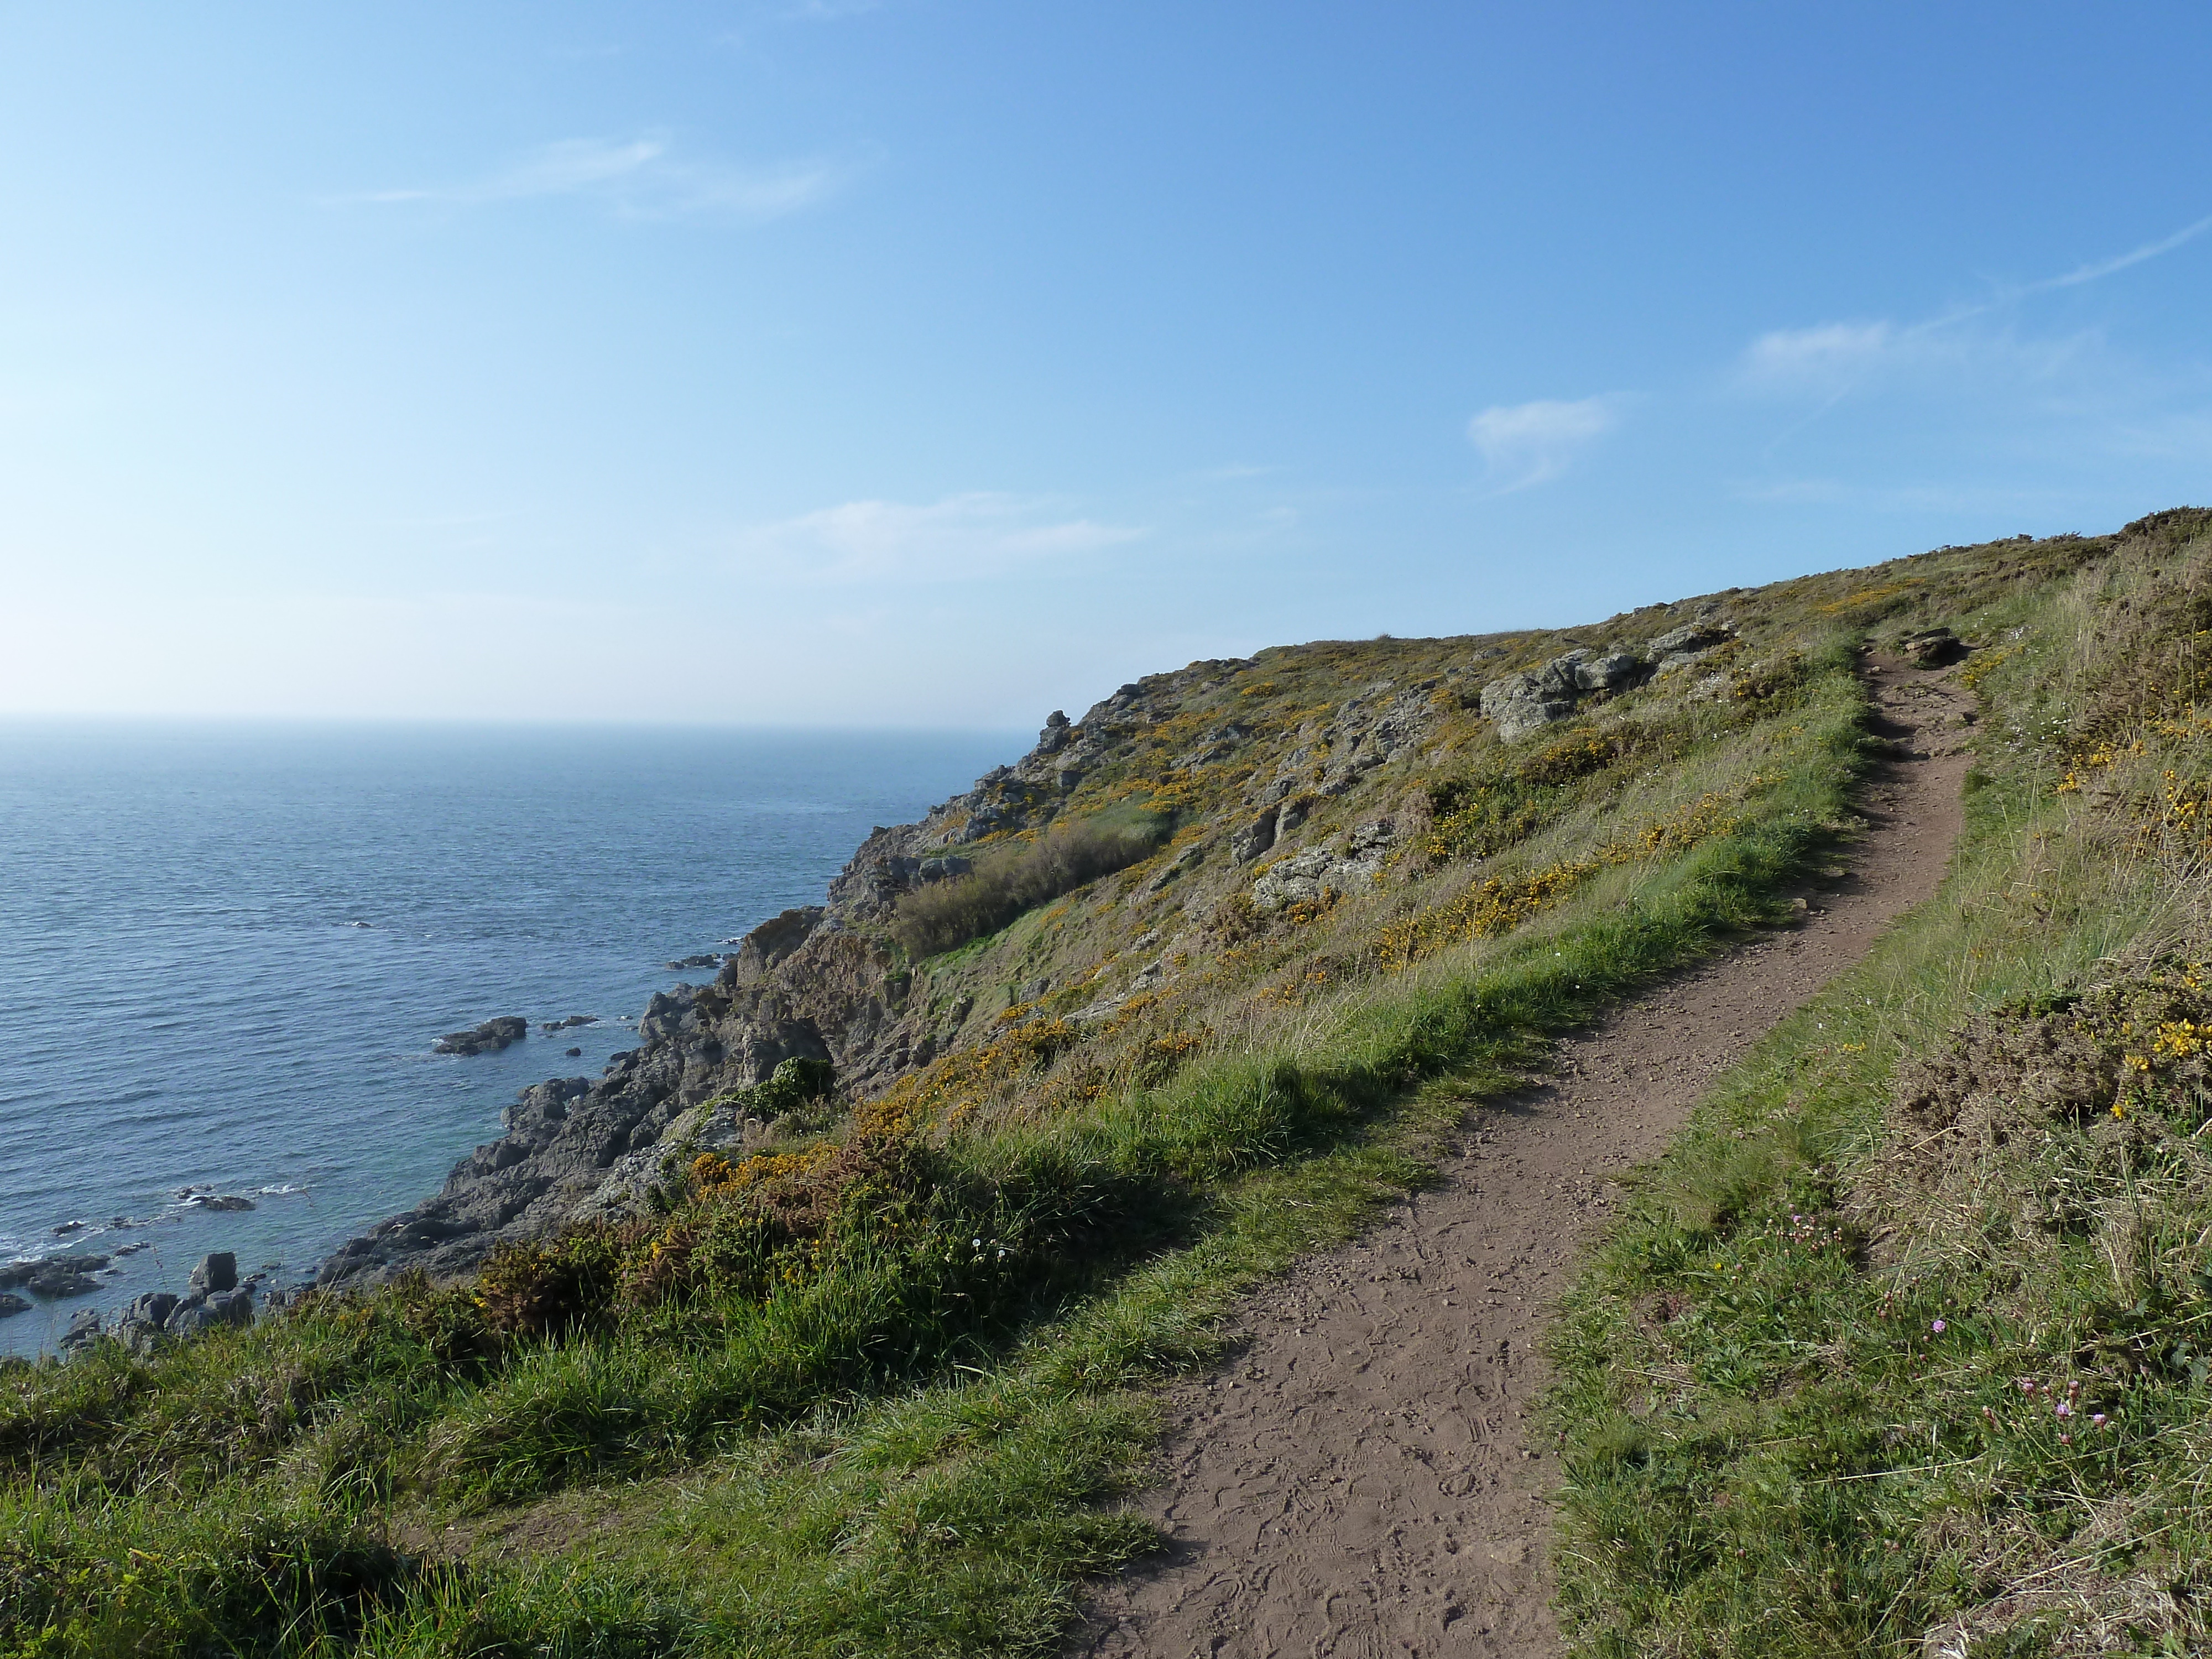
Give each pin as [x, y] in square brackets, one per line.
[225, 951]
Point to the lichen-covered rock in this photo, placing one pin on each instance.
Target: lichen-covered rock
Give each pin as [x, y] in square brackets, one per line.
[1521, 703]
[1312, 875]
[1616, 670]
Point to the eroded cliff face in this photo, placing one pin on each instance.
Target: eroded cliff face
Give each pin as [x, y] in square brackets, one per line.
[1283, 777]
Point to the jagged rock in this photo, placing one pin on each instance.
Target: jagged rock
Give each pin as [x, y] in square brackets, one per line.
[681, 963]
[217, 1271]
[152, 1309]
[1256, 838]
[144, 1320]
[11, 1304]
[487, 1038]
[775, 939]
[82, 1333]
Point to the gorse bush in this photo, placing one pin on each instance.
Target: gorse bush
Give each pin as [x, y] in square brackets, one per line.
[1009, 880]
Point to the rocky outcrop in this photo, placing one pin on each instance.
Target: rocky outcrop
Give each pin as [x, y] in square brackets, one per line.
[1523, 703]
[215, 1300]
[54, 1277]
[1318, 873]
[206, 1197]
[488, 1038]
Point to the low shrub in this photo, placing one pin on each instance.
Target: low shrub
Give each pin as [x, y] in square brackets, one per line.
[950, 913]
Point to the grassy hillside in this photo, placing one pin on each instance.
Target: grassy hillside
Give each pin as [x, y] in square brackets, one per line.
[1904, 1347]
[872, 1389]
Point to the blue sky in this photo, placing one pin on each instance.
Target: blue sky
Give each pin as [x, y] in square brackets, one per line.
[927, 362]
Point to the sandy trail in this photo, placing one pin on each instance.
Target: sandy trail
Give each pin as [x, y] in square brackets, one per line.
[1355, 1481]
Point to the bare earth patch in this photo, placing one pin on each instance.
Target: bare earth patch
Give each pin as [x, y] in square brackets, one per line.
[1356, 1482]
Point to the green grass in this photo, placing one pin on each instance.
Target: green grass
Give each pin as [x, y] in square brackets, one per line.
[1807, 1394]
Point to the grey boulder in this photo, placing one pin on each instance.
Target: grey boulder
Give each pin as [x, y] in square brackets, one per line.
[1521, 703]
[218, 1271]
[1610, 672]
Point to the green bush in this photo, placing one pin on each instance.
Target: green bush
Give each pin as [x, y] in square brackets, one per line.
[948, 913]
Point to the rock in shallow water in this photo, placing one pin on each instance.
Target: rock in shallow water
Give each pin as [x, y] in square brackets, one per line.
[488, 1038]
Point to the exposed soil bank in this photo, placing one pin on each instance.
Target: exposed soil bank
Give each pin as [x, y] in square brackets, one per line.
[1356, 1482]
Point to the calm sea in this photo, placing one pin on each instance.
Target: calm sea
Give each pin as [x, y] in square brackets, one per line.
[225, 951]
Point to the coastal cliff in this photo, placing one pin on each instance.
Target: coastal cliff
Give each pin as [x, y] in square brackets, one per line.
[1239, 790]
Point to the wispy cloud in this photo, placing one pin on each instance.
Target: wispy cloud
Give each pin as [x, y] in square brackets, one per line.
[1526, 444]
[643, 176]
[2102, 268]
[1967, 343]
[1821, 355]
[981, 533]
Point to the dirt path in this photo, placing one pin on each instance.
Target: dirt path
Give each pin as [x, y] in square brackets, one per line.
[1355, 1481]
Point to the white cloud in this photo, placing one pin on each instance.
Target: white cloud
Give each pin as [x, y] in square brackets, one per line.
[1960, 354]
[1820, 356]
[2102, 268]
[1526, 444]
[639, 178]
[981, 533]
[1968, 348]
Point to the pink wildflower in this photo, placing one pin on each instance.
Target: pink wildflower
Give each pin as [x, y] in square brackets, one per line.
[1936, 1326]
